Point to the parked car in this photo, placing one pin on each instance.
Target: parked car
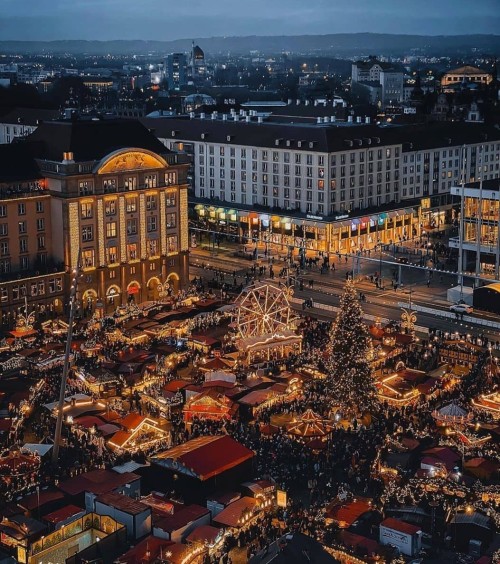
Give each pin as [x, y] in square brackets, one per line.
[461, 308]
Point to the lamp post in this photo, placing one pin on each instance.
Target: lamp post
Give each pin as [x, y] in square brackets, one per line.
[67, 352]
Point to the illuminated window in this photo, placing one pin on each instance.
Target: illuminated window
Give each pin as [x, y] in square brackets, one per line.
[152, 247]
[88, 258]
[170, 178]
[150, 180]
[86, 210]
[130, 183]
[131, 205]
[172, 244]
[112, 255]
[132, 251]
[111, 229]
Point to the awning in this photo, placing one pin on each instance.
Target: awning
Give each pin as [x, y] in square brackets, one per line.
[199, 207]
[392, 214]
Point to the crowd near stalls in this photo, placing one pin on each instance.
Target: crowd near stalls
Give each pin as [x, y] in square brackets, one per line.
[200, 431]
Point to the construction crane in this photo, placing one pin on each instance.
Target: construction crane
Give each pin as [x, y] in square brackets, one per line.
[67, 353]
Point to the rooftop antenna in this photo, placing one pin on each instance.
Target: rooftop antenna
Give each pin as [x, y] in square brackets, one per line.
[67, 353]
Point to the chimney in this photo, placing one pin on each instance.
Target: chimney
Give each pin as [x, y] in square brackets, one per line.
[68, 158]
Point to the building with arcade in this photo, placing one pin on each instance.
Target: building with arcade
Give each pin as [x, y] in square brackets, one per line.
[111, 191]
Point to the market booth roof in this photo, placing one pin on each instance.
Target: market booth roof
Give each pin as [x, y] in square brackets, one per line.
[204, 457]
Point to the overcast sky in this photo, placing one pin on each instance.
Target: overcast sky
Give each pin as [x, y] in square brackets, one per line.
[175, 19]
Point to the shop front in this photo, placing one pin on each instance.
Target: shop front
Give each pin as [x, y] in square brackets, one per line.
[273, 233]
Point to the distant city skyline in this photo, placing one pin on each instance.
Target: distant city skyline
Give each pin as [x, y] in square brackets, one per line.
[163, 20]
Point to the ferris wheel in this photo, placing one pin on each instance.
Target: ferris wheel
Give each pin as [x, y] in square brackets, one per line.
[264, 309]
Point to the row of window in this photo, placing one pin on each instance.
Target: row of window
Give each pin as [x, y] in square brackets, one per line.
[23, 245]
[21, 208]
[132, 251]
[264, 154]
[130, 183]
[132, 227]
[39, 288]
[131, 205]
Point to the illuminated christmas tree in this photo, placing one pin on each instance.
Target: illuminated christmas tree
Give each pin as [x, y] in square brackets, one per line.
[349, 380]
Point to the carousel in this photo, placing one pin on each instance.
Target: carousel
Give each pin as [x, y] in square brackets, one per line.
[265, 324]
[311, 429]
[18, 469]
[452, 415]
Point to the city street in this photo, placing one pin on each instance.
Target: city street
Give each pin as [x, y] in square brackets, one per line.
[385, 303]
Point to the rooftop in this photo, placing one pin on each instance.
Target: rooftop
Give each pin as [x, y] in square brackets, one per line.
[205, 457]
[123, 503]
[320, 137]
[90, 140]
[97, 482]
[181, 518]
[401, 526]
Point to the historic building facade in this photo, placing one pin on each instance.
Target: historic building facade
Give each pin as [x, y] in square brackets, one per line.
[118, 198]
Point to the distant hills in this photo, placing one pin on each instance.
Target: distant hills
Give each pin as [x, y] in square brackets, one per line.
[344, 44]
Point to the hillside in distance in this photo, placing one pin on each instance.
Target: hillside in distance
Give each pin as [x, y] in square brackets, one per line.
[346, 44]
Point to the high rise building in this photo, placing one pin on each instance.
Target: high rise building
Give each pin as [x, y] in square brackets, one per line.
[176, 70]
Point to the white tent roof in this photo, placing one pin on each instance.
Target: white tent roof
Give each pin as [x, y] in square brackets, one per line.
[40, 449]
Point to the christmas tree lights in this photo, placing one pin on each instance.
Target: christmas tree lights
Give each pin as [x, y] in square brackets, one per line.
[349, 380]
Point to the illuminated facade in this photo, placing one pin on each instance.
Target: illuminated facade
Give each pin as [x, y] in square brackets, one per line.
[481, 227]
[326, 187]
[111, 190]
[29, 269]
